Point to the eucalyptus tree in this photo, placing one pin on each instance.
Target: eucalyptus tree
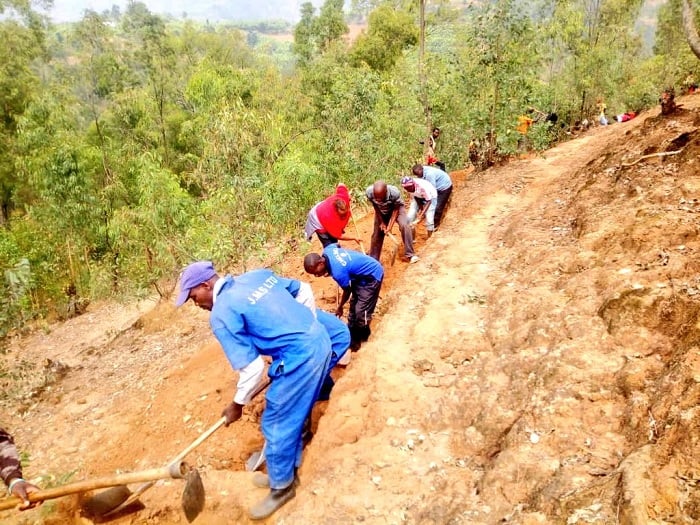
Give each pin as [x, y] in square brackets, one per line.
[485, 73]
[99, 74]
[304, 46]
[153, 55]
[593, 50]
[389, 33]
[314, 35]
[23, 37]
[676, 41]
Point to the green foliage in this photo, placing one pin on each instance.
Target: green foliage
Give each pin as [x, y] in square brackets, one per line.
[146, 235]
[146, 142]
[315, 35]
[15, 301]
[389, 33]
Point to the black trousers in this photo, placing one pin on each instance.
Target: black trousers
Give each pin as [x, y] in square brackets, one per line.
[442, 200]
[326, 238]
[363, 301]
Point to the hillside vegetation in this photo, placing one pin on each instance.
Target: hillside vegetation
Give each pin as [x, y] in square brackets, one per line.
[132, 144]
[539, 365]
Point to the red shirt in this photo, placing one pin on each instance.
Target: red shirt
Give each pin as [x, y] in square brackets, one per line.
[328, 215]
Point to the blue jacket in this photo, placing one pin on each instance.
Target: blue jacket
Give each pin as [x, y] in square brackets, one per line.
[350, 267]
[256, 313]
[438, 178]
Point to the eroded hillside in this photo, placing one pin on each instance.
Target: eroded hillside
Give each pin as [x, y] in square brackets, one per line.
[539, 365]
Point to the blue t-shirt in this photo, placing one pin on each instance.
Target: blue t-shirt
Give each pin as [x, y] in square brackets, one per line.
[256, 313]
[350, 267]
[438, 178]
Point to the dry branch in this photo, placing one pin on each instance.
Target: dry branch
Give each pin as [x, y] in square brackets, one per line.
[661, 154]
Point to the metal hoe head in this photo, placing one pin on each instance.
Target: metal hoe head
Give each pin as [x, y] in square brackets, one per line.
[193, 496]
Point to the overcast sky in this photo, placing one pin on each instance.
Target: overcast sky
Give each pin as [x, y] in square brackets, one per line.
[214, 10]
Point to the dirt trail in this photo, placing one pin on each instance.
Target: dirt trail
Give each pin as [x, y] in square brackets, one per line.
[538, 365]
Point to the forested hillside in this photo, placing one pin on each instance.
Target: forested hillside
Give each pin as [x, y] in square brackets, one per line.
[132, 144]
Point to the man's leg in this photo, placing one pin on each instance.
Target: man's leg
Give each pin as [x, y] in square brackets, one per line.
[375, 249]
[406, 232]
[430, 218]
[353, 322]
[442, 200]
[288, 405]
[367, 297]
[412, 210]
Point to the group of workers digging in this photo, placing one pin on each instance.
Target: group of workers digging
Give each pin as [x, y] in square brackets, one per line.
[260, 314]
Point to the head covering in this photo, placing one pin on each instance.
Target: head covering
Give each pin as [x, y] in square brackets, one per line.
[192, 276]
[408, 184]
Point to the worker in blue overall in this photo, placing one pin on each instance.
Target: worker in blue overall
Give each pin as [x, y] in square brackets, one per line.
[254, 315]
[360, 276]
[340, 342]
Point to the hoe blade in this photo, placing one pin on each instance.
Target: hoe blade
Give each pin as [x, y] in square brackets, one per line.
[193, 496]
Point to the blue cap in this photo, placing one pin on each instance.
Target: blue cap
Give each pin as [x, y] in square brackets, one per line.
[192, 276]
[407, 182]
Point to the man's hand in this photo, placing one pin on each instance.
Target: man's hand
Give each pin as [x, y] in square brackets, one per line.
[339, 312]
[22, 489]
[232, 413]
[383, 227]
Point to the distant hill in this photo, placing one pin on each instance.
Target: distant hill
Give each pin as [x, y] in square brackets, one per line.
[212, 10]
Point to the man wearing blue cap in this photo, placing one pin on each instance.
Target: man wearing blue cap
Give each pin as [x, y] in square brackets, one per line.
[260, 313]
[360, 276]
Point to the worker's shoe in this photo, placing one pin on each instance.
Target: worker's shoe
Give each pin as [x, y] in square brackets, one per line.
[413, 259]
[274, 500]
[262, 480]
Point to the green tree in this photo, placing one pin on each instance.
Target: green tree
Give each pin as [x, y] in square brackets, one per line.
[389, 32]
[330, 25]
[22, 32]
[304, 46]
[153, 53]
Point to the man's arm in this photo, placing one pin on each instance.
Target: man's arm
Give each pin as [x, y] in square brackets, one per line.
[10, 467]
[229, 329]
[392, 219]
[301, 291]
[423, 210]
[343, 300]
[11, 470]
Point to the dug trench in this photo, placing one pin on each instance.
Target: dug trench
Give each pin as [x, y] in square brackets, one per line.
[539, 364]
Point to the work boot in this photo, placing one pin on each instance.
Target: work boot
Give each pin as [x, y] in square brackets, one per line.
[272, 502]
[262, 480]
[355, 338]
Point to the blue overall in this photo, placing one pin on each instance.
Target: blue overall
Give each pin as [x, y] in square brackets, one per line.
[254, 314]
[339, 334]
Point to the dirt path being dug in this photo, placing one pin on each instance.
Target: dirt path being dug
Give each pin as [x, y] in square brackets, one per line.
[538, 365]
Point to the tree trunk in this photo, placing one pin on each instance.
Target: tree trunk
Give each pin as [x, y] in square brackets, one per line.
[423, 79]
[691, 33]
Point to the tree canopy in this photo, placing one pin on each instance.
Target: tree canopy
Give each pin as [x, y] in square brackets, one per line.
[131, 143]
